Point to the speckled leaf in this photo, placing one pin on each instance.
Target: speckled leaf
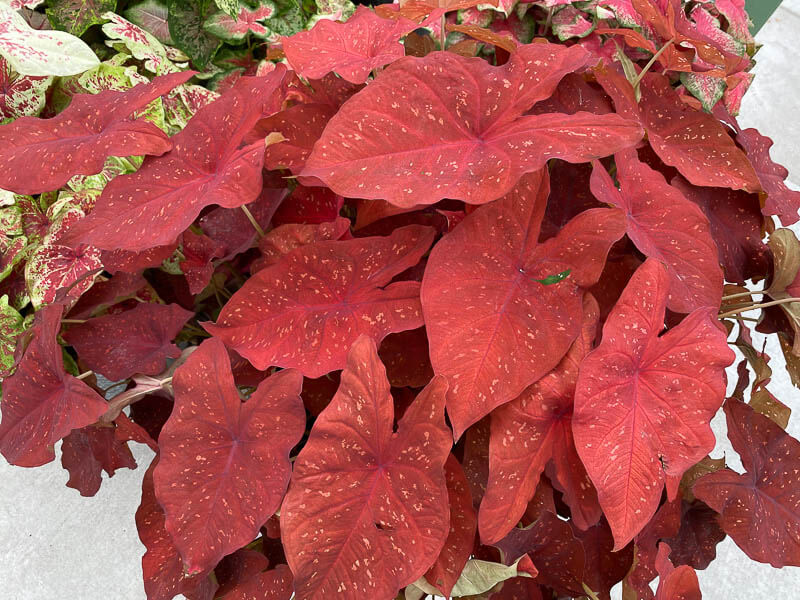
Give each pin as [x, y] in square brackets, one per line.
[41, 53]
[736, 222]
[151, 15]
[54, 268]
[229, 6]
[665, 225]
[760, 510]
[351, 49]
[528, 433]
[186, 18]
[367, 508]
[707, 89]
[140, 43]
[692, 141]
[738, 20]
[570, 22]
[40, 155]
[89, 451]
[224, 463]
[643, 401]
[76, 16]
[274, 584]
[458, 547]
[380, 145]
[294, 315]
[152, 206]
[135, 341]
[480, 296]
[41, 403]
[236, 27]
[162, 566]
[197, 265]
[781, 201]
[11, 326]
[285, 238]
[20, 96]
[311, 205]
[675, 584]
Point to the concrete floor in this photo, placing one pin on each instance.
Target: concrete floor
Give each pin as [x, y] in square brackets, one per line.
[56, 544]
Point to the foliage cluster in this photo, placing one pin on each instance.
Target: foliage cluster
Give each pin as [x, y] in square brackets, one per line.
[431, 299]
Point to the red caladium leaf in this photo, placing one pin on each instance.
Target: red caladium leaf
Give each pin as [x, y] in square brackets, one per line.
[781, 201]
[476, 459]
[463, 523]
[294, 315]
[351, 49]
[284, 239]
[488, 285]
[224, 463]
[380, 145]
[42, 403]
[644, 400]
[367, 509]
[88, 451]
[106, 292]
[665, 225]
[198, 252]
[533, 430]
[309, 205]
[736, 222]
[39, 155]
[275, 584]
[135, 341]
[125, 261]
[604, 567]
[760, 510]
[152, 206]
[162, 566]
[675, 584]
[692, 141]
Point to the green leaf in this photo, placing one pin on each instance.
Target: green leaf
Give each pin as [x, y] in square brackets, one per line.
[186, 19]
[230, 7]
[551, 279]
[11, 325]
[288, 20]
[76, 16]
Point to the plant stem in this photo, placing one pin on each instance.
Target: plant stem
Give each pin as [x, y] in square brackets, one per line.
[126, 398]
[742, 295]
[647, 67]
[443, 32]
[548, 22]
[85, 375]
[736, 311]
[253, 221]
[72, 321]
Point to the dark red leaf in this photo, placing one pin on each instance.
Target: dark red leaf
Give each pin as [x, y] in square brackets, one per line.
[406, 358]
[530, 432]
[275, 584]
[643, 401]
[476, 459]
[135, 341]
[318, 393]
[351, 49]
[198, 253]
[224, 463]
[106, 293]
[569, 196]
[152, 206]
[42, 403]
[665, 225]
[237, 568]
[293, 314]
[40, 155]
[309, 205]
[88, 451]
[696, 542]
[760, 510]
[128, 431]
[162, 566]
[604, 567]
[485, 290]
[126, 261]
[736, 222]
[781, 200]
[367, 508]
[382, 144]
[519, 588]
[461, 540]
[675, 584]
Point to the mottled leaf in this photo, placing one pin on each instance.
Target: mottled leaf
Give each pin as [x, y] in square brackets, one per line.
[367, 508]
[151, 15]
[760, 510]
[11, 326]
[643, 400]
[224, 463]
[76, 16]
[20, 96]
[480, 296]
[293, 314]
[383, 145]
[135, 341]
[186, 19]
[42, 403]
[248, 20]
[39, 155]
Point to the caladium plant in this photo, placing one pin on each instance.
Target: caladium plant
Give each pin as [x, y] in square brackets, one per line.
[439, 299]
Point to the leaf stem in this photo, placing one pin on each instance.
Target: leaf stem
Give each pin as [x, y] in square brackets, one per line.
[73, 321]
[647, 67]
[126, 398]
[736, 311]
[742, 295]
[253, 221]
[443, 32]
[85, 375]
